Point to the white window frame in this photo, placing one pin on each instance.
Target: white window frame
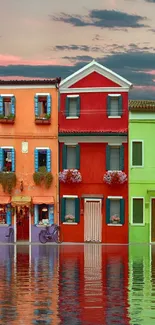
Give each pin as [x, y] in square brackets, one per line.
[142, 141]
[115, 198]
[71, 145]
[114, 95]
[114, 145]
[72, 117]
[70, 197]
[134, 198]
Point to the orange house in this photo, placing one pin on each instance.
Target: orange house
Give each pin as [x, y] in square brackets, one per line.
[28, 157]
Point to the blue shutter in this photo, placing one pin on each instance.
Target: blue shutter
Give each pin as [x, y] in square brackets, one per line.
[36, 214]
[120, 106]
[64, 157]
[1, 159]
[49, 106]
[13, 159]
[77, 210]
[36, 108]
[107, 157]
[78, 107]
[122, 211]
[63, 209]
[36, 165]
[121, 158]
[1, 105]
[13, 105]
[51, 214]
[108, 105]
[48, 160]
[77, 156]
[8, 215]
[67, 107]
[107, 211]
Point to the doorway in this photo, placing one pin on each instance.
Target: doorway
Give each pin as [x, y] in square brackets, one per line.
[92, 220]
[22, 222]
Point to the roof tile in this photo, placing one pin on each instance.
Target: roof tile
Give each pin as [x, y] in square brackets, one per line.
[142, 105]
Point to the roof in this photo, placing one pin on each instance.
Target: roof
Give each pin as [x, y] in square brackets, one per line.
[31, 82]
[142, 105]
[94, 66]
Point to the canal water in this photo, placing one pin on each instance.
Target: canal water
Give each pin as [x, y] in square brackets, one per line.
[77, 284]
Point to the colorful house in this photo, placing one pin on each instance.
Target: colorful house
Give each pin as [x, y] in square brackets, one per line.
[28, 157]
[93, 152]
[141, 172]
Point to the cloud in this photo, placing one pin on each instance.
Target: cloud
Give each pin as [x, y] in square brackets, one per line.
[103, 19]
[74, 47]
[11, 59]
[151, 1]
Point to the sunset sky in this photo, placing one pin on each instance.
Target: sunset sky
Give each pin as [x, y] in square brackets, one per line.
[47, 38]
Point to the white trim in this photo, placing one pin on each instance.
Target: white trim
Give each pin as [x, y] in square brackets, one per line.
[72, 96]
[29, 226]
[72, 117]
[115, 197]
[118, 116]
[70, 196]
[117, 140]
[70, 223]
[94, 200]
[94, 66]
[7, 147]
[114, 144]
[42, 94]
[138, 224]
[114, 170]
[151, 198]
[115, 224]
[27, 86]
[71, 144]
[133, 166]
[15, 226]
[42, 148]
[93, 90]
[114, 95]
[6, 95]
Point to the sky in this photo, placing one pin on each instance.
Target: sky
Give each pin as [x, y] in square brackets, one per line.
[48, 39]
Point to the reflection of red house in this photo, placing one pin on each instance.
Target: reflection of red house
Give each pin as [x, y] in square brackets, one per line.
[93, 127]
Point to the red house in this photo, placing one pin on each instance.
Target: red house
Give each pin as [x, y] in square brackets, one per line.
[93, 155]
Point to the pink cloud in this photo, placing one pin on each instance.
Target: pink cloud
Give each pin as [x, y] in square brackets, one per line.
[20, 78]
[151, 88]
[16, 60]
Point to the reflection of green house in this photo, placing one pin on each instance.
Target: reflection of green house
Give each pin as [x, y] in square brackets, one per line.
[141, 171]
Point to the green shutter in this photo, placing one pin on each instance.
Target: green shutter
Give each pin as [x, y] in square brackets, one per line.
[136, 153]
[120, 106]
[137, 214]
[122, 211]
[107, 157]
[63, 209]
[107, 211]
[67, 107]
[77, 156]
[77, 210]
[64, 157]
[78, 107]
[121, 158]
[108, 105]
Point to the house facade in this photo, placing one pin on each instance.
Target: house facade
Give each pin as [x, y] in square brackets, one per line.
[141, 172]
[93, 156]
[28, 157]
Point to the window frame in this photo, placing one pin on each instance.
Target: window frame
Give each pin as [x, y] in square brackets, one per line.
[64, 155]
[117, 146]
[115, 96]
[71, 197]
[43, 148]
[119, 224]
[12, 104]
[36, 101]
[13, 163]
[72, 117]
[131, 156]
[133, 198]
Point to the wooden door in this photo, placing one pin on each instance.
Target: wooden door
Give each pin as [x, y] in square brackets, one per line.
[22, 216]
[153, 222]
[92, 221]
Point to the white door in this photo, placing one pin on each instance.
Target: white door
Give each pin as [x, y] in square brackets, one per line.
[92, 220]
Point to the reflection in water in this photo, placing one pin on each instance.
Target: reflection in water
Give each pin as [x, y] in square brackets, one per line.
[86, 284]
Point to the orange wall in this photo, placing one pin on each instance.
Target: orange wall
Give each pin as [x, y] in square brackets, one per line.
[25, 129]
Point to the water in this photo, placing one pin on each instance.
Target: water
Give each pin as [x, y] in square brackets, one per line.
[77, 284]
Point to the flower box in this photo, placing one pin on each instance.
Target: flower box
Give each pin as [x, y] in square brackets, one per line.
[70, 176]
[115, 178]
[42, 120]
[115, 219]
[6, 120]
[69, 218]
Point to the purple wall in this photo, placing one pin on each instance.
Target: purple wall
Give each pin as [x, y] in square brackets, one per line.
[5, 231]
[35, 233]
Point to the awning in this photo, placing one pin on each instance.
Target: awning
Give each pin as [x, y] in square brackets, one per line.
[5, 199]
[21, 200]
[43, 200]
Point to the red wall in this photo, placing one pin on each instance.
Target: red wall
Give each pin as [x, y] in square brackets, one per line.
[92, 168]
[94, 79]
[93, 114]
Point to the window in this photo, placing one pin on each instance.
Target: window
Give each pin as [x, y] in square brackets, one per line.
[42, 158]
[43, 105]
[3, 214]
[70, 209]
[114, 157]
[71, 157]
[114, 105]
[7, 105]
[115, 210]
[7, 159]
[43, 214]
[137, 153]
[137, 211]
[73, 106]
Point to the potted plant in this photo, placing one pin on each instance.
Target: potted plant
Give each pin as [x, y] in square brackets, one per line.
[43, 119]
[7, 119]
[69, 218]
[43, 177]
[8, 181]
[70, 176]
[114, 177]
[115, 219]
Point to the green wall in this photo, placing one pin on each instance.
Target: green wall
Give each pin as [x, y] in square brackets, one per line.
[142, 180]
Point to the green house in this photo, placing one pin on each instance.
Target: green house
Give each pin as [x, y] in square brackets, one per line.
[141, 171]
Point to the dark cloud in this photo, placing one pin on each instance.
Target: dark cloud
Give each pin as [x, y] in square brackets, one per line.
[103, 19]
[151, 1]
[74, 47]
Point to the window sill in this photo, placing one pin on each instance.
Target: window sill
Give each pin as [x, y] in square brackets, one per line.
[42, 121]
[4, 225]
[7, 121]
[72, 117]
[70, 223]
[114, 116]
[42, 226]
[115, 224]
[138, 224]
